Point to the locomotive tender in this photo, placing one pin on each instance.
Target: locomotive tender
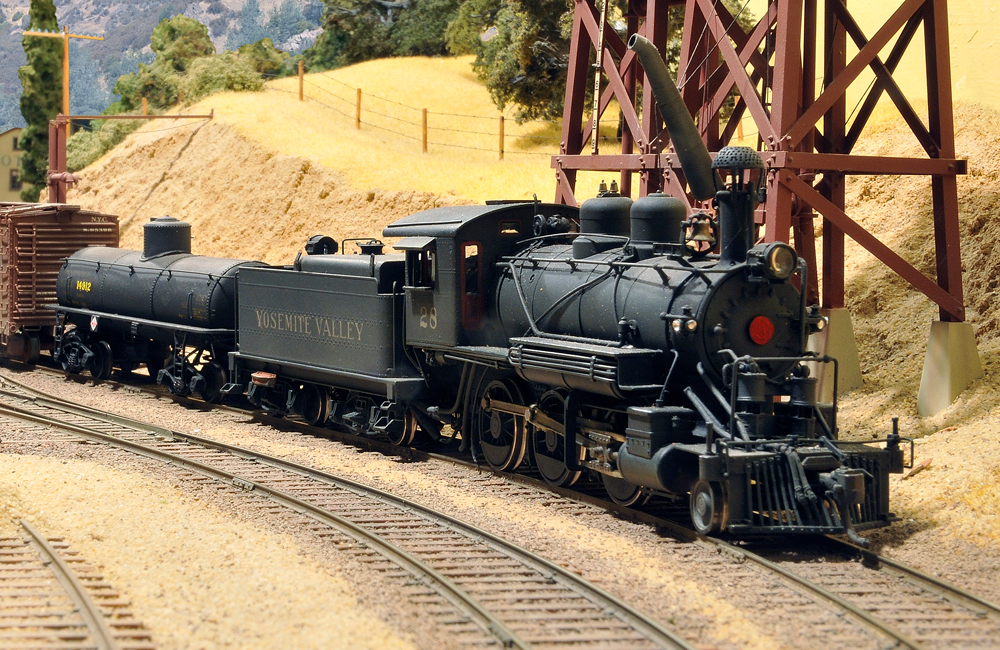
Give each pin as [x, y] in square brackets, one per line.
[602, 342]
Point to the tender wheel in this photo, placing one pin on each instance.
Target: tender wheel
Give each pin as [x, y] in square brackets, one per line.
[501, 435]
[102, 362]
[622, 492]
[408, 434]
[70, 353]
[215, 379]
[547, 446]
[315, 405]
[709, 507]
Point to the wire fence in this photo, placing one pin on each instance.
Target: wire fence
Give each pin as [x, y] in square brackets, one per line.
[432, 128]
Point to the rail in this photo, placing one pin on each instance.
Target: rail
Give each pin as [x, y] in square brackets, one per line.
[975, 613]
[103, 638]
[560, 593]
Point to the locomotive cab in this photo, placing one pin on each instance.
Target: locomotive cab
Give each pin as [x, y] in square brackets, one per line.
[451, 256]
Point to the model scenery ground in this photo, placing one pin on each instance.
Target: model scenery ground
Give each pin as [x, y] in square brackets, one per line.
[270, 171]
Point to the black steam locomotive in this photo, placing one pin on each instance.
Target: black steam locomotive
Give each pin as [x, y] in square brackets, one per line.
[605, 342]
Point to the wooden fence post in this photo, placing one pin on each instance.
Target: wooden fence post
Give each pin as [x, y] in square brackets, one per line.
[357, 112]
[501, 137]
[144, 106]
[425, 130]
[302, 68]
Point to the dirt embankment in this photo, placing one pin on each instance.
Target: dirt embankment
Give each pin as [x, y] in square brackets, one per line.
[241, 201]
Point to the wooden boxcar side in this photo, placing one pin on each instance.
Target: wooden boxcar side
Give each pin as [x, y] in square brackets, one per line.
[34, 240]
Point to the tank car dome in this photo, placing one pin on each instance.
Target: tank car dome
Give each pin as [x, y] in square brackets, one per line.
[165, 235]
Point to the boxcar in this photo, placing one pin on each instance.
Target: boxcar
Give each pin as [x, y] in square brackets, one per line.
[35, 238]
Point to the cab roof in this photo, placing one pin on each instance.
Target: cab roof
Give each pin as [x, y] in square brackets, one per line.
[448, 221]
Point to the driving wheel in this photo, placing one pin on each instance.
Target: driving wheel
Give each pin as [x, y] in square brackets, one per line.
[501, 434]
[101, 363]
[547, 443]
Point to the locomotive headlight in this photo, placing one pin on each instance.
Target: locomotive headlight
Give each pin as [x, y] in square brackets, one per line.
[679, 325]
[780, 261]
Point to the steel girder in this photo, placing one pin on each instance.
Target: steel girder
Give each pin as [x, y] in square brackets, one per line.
[769, 72]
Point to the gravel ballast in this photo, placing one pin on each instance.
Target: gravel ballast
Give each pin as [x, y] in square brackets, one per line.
[197, 576]
[712, 599]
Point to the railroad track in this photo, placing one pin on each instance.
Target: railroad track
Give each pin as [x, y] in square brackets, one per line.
[898, 605]
[51, 598]
[487, 591]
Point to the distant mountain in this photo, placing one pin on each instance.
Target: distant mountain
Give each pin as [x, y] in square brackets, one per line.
[126, 26]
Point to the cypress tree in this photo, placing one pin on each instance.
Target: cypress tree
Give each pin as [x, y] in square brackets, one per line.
[41, 99]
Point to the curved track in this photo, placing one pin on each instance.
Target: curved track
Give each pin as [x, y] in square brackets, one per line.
[899, 605]
[485, 589]
[50, 598]
[908, 606]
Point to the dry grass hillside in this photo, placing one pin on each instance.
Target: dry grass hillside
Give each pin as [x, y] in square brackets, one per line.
[269, 171]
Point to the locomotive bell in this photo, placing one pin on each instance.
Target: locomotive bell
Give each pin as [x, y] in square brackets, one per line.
[701, 230]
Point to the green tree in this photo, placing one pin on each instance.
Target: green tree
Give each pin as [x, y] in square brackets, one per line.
[41, 98]
[360, 30]
[420, 31]
[522, 48]
[177, 42]
[226, 71]
[286, 21]
[266, 59]
[525, 62]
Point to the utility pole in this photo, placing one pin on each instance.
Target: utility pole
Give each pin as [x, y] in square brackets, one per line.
[65, 36]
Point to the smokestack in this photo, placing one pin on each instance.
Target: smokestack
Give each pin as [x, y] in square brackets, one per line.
[695, 159]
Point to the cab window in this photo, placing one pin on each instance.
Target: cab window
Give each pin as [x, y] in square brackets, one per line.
[472, 280]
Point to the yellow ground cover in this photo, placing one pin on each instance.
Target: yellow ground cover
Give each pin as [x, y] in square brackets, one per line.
[463, 130]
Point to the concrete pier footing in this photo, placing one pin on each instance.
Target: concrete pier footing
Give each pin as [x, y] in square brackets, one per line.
[951, 364]
[837, 341]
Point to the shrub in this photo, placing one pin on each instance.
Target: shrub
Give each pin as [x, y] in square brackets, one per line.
[265, 58]
[86, 147]
[158, 84]
[217, 73]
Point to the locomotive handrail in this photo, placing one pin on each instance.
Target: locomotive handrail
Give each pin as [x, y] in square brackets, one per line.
[682, 264]
[534, 326]
[580, 289]
[190, 329]
[663, 392]
[735, 422]
[824, 359]
[706, 413]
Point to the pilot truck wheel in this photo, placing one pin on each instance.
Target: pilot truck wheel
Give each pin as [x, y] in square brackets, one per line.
[709, 507]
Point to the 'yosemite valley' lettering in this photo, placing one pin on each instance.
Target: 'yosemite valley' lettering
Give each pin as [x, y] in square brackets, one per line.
[333, 328]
